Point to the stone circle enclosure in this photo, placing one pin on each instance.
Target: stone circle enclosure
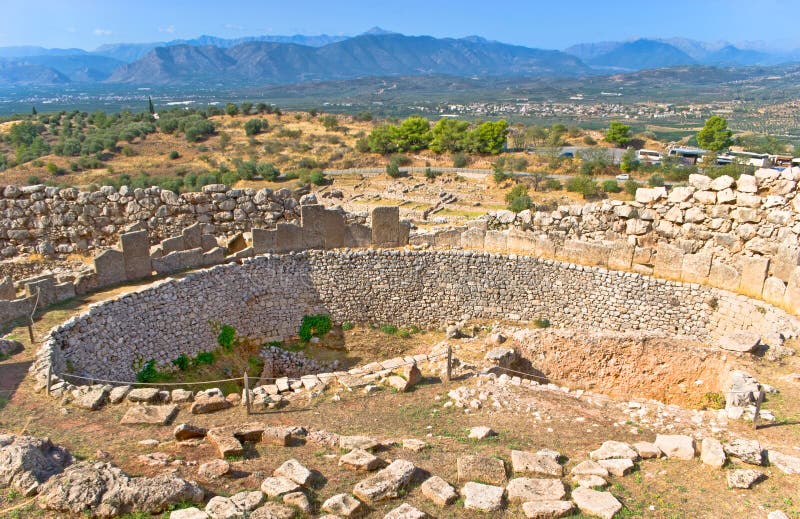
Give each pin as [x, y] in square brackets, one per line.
[266, 297]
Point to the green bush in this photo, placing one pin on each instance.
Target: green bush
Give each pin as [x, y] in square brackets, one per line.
[148, 373]
[404, 334]
[393, 169]
[347, 325]
[204, 357]
[517, 199]
[656, 180]
[226, 337]
[552, 184]
[541, 323]
[460, 160]
[182, 362]
[582, 184]
[611, 186]
[630, 186]
[314, 325]
[389, 329]
[174, 155]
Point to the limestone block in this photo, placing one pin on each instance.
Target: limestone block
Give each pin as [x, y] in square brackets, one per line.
[792, 297]
[136, 250]
[208, 242]
[696, 267]
[648, 195]
[263, 240]
[193, 236]
[288, 237]
[214, 256]
[699, 181]
[774, 290]
[386, 226]
[746, 184]
[668, 261]
[472, 239]
[544, 247]
[405, 231]
[173, 244]
[754, 273]
[724, 276]
[45, 286]
[8, 292]
[786, 259]
[520, 241]
[110, 267]
[357, 235]
[179, 260]
[620, 255]
[496, 241]
[322, 226]
[447, 239]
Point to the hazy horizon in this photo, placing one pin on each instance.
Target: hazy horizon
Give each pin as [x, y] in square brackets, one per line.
[88, 24]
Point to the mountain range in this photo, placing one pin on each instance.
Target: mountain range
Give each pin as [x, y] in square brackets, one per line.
[300, 58]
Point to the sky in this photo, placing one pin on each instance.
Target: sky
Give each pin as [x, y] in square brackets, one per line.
[548, 24]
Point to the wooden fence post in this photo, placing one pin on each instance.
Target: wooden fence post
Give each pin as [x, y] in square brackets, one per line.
[449, 362]
[247, 392]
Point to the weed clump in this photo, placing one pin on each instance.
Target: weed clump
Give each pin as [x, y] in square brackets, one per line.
[314, 325]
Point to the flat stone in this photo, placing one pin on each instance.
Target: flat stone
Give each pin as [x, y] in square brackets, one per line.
[589, 481]
[277, 486]
[247, 501]
[482, 468]
[294, 470]
[647, 450]
[344, 505]
[150, 414]
[530, 489]
[589, 468]
[784, 463]
[593, 502]
[618, 467]
[220, 507]
[486, 498]
[741, 341]
[278, 436]
[712, 453]
[481, 432]
[358, 442]
[225, 442]
[181, 396]
[209, 404]
[414, 445]
[187, 431]
[146, 395]
[547, 509]
[405, 511]
[272, 511]
[386, 483]
[749, 451]
[94, 399]
[359, 459]
[118, 394]
[679, 446]
[214, 469]
[299, 500]
[612, 450]
[743, 478]
[439, 491]
[538, 463]
[188, 513]
[777, 514]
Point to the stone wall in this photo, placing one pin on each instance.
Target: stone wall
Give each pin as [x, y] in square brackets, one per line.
[266, 297]
[738, 235]
[51, 219]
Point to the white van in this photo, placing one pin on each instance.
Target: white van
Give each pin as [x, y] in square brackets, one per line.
[649, 156]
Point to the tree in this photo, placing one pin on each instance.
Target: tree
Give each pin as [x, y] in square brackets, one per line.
[231, 109]
[33, 111]
[715, 135]
[150, 105]
[584, 185]
[329, 122]
[382, 139]
[393, 169]
[618, 133]
[255, 126]
[448, 135]
[499, 173]
[414, 134]
[629, 161]
[488, 138]
[246, 108]
[517, 198]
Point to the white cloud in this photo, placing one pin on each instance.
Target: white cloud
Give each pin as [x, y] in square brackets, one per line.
[233, 27]
[102, 32]
[169, 30]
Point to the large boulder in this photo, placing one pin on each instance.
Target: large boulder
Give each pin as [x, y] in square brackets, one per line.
[27, 462]
[100, 489]
[386, 483]
[677, 446]
[614, 450]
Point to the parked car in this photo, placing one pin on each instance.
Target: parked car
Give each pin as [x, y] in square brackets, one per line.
[623, 176]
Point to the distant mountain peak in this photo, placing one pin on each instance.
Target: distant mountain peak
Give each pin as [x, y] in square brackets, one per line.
[378, 31]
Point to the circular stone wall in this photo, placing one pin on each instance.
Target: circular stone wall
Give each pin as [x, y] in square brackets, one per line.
[266, 297]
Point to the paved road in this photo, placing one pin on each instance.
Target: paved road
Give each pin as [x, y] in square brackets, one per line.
[466, 172]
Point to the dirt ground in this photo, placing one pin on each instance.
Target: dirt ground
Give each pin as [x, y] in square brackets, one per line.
[526, 419]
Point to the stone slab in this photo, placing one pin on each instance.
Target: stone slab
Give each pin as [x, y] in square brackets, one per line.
[150, 414]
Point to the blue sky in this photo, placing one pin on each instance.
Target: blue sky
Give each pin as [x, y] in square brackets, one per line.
[546, 24]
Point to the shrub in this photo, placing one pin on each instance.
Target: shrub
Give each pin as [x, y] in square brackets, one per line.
[204, 357]
[582, 184]
[541, 323]
[517, 198]
[182, 362]
[589, 140]
[713, 400]
[401, 160]
[314, 325]
[174, 155]
[431, 174]
[656, 180]
[226, 337]
[404, 334]
[460, 160]
[630, 186]
[611, 186]
[347, 325]
[33, 180]
[389, 329]
[148, 373]
[393, 169]
[255, 126]
[552, 184]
